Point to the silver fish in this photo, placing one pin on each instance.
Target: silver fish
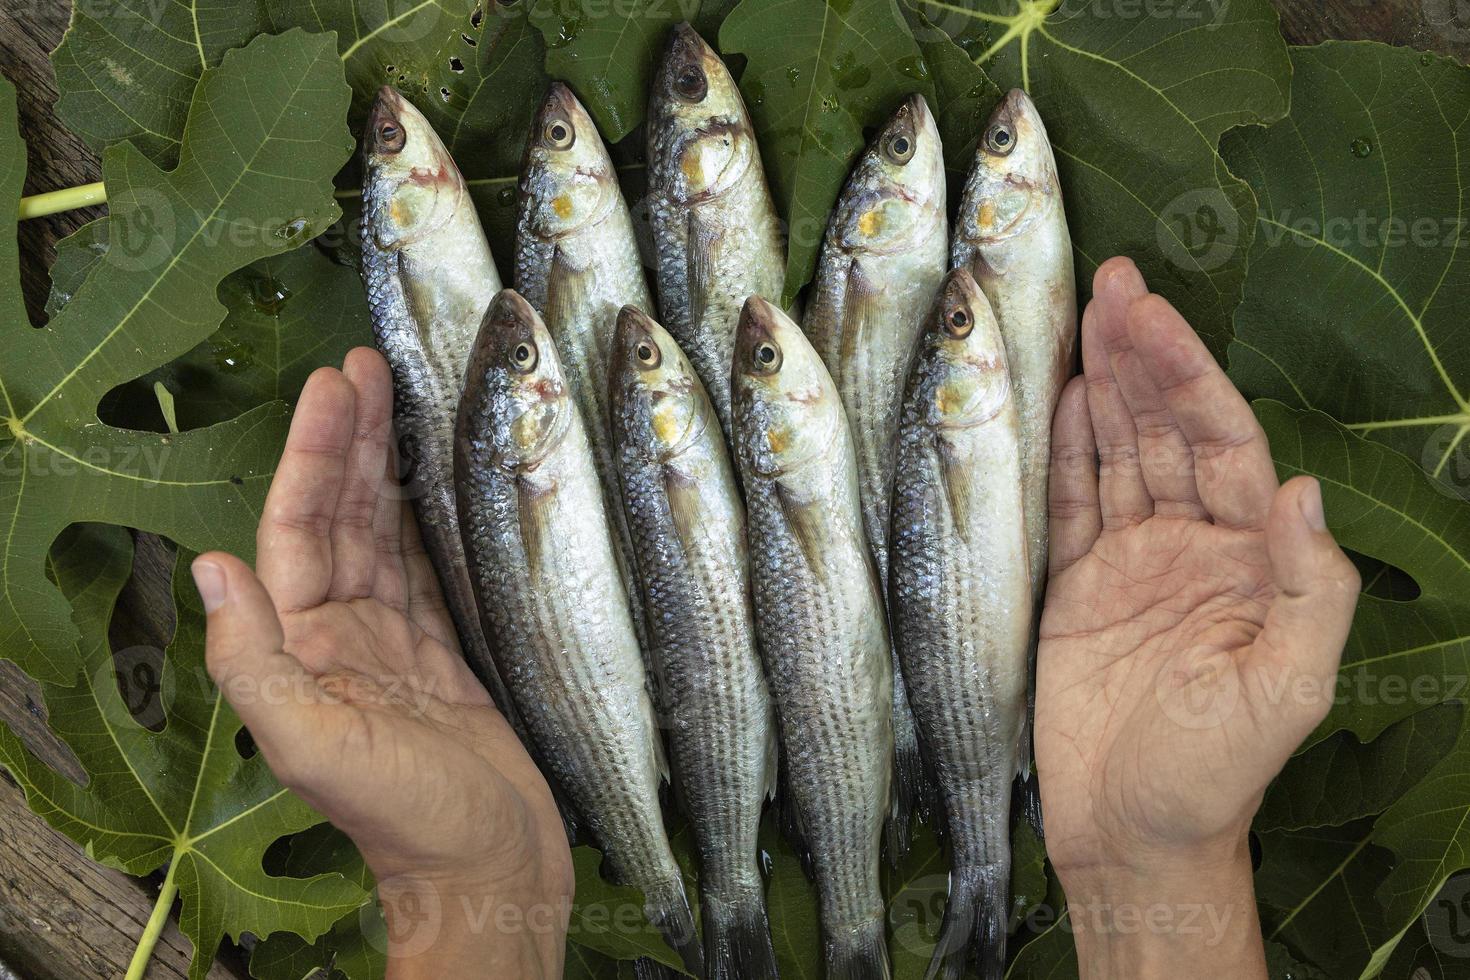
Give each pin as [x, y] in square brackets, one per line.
[715, 230]
[821, 625]
[960, 601]
[429, 277]
[880, 267]
[689, 531]
[1011, 233]
[577, 263]
[541, 558]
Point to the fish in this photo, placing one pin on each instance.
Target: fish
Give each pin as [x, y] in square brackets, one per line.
[429, 276]
[821, 625]
[960, 601]
[688, 524]
[716, 236]
[541, 559]
[884, 254]
[577, 263]
[1011, 233]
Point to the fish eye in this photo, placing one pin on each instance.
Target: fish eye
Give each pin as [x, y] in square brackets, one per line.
[900, 149]
[1000, 139]
[647, 354]
[391, 137]
[523, 358]
[690, 84]
[559, 134]
[767, 357]
[958, 324]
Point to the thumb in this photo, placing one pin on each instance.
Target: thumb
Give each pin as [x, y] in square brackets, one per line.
[242, 645]
[1317, 587]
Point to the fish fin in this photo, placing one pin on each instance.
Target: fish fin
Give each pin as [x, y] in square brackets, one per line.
[861, 954]
[909, 784]
[699, 245]
[859, 313]
[667, 907]
[737, 938]
[566, 293]
[958, 477]
[650, 969]
[531, 505]
[806, 527]
[976, 912]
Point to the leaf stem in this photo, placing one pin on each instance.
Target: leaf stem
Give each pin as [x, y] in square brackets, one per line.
[156, 922]
[52, 202]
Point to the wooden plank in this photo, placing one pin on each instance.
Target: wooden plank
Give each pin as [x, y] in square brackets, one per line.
[63, 916]
[1442, 26]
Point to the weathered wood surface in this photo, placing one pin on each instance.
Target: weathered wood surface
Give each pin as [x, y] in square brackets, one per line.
[62, 916]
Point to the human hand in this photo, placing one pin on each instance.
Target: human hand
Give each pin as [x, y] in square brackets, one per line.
[342, 662]
[1193, 625]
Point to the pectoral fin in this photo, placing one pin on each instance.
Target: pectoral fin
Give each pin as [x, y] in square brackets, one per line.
[567, 291]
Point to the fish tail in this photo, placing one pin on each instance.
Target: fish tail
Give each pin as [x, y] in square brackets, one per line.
[977, 911]
[1028, 799]
[668, 909]
[909, 793]
[737, 938]
[859, 954]
[650, 969]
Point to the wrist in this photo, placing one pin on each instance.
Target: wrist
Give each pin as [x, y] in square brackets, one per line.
[1167, 916]
[468, 925]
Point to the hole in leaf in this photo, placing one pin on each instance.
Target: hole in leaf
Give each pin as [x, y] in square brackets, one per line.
[244, 744]
[1384, 581]
[456, 65]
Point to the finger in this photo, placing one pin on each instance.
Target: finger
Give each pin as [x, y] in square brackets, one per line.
[354, 550]
[268, 689]
[293, 544]
[1076, 520]
[1122, 495]
[1232, 461]
[1317, 590]
[426, 605]
[1164, 458]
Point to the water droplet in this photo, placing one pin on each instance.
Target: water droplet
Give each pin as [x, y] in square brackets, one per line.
[914, 67]
[849, 73]
[456, 65]
[269, 295]
[567, 33]
[1426, 59]
[767, 865]
[233, 356]
[506, 197]
[292, 230]
[793, 73]
[829, 104]
[1361, 148]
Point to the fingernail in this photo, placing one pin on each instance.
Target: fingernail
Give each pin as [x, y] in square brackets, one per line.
[1310, 502]
[209, 579]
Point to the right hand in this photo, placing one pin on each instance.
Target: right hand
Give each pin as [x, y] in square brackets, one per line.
[342, 662]
[1194, 619]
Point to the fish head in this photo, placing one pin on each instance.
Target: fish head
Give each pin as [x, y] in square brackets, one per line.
[521, 403]
[895, 195]
[700, 138]
[411, 186]
[962, 369]
[657, 399]
[786, 409]
[1013, 181]
[568, 180]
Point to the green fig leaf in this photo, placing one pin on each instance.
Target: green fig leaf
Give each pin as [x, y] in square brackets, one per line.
[1355, 302]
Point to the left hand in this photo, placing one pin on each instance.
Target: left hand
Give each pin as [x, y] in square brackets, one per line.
[342, 662]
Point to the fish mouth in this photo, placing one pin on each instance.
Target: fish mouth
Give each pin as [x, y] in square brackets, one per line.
[686, 47]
